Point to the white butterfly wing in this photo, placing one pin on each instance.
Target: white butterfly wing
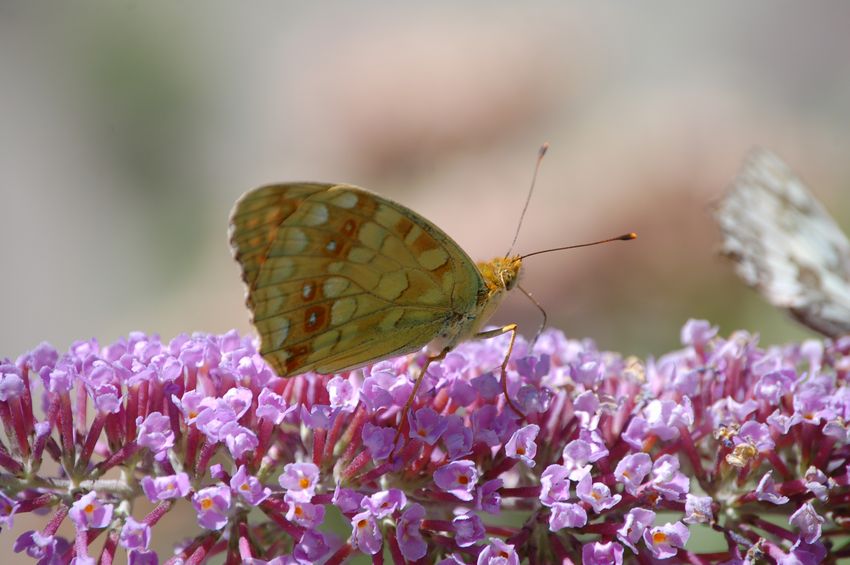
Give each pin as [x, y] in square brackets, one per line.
[786, 245]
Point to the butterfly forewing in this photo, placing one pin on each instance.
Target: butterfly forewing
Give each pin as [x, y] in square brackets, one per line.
[339, 277]
[786, 245]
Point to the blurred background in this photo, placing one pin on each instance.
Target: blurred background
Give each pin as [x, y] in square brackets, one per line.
[130, 128]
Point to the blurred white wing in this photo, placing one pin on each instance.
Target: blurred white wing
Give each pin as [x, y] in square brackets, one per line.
[786, 245]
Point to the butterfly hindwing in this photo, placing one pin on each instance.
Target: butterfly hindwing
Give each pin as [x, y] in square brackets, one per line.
[786, 245]
[339, 277]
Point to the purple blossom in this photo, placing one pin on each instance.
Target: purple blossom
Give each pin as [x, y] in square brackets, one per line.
[698, 509]
[384, 503]
[632, 469]
[522, 445]
[378, 440]
[554, 485]
[343, 394]
[249, 487]
[166, 487]
[637, 520]
[469, 529]
[808, 522]
[238, 439]
[457, 438]
[272, 406]
[300, 480]
[347, 500]
[155, 432]
[305, 514]
[311, 548]
[46, 548]
[139, 557]
[666, 478]
[663, 541]
[426, 425]
[212, 505]
[487, 497]
[409, 538]
[135, 535]
[498, 552]
[598, 495]
[599, 553]
[366, 534]
[458, 478]
[90, 513]
[567, 515]
[8, 507]
[766, 490]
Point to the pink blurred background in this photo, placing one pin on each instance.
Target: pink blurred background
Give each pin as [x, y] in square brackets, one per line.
[129, 128]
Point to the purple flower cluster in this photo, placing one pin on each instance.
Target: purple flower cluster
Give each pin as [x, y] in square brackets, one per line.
[614, 460]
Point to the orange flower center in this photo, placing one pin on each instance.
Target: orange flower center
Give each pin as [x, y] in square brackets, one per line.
[206, 504]
[659, 537]
[362, 524]
[463, 479]
[89, 508]
[304, 482]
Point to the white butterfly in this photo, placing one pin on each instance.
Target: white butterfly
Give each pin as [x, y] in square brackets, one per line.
[786, 245]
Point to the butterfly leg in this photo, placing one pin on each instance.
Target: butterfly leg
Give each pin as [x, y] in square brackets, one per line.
[512, 328]
[409, 404]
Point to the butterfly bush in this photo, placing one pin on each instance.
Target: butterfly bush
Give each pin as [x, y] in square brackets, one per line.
[613, 460]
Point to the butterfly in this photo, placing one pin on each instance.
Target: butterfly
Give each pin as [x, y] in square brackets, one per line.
[786, 245]
[338, 277]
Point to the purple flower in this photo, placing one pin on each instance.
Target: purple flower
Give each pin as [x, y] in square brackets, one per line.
[164, 488]
[342, 393]
[305, 514]
[8, 507]
[238, 439]
[599, 553]
[378, 440]
[766, 490]
[135, 535]
[554, 485]
[89, 513]
[598, 495]
[300, 480]
[366, 534]
[567, 515]
[312, 547]
[697, 333]
[426, 425]
[663, 541]
[808, 522]
[249, 487]
[155, 432]
[698, 509]
[138, 557]
[457, 438]
[469, 529]
[408, 536]
[498, 552]
[272, 406]
[522, 445]
[667, 479]
[347, 500]
[212, 505]
[636, 522]
[632, 469]
[487, 497]
[458, 478]
[385, 502]
[47, 549]
[11, 383]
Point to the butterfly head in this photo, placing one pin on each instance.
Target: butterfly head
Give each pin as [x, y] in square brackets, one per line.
[502, 273]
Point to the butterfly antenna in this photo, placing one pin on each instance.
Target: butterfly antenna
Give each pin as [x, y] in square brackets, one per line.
[542, 311]
[624, 237]
[540, 154]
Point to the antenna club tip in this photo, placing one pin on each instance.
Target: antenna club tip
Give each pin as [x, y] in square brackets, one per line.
[628, 236]
[543, 149]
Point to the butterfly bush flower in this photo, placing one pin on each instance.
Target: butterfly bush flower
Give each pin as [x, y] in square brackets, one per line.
[613, 459]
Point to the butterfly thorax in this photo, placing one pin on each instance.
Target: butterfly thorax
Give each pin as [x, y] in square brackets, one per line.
[500, 276]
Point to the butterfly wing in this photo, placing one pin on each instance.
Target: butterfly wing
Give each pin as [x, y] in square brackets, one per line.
[338, 277]
[786, 245]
